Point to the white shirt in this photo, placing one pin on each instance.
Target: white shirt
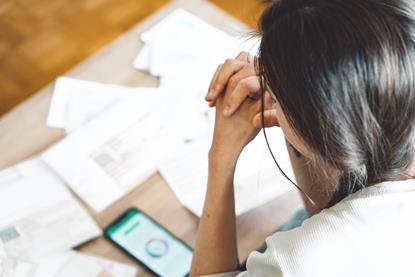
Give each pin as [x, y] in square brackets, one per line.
[370, 233]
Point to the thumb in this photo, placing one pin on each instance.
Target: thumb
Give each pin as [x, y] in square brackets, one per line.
[270, 119]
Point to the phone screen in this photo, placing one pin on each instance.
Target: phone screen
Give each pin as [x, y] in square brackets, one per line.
[151, 244]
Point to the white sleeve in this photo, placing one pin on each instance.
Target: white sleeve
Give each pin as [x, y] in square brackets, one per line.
[262, 264]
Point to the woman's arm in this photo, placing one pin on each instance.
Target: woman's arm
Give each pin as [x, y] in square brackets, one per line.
[216, 246]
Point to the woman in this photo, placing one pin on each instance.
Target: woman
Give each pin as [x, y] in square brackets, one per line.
[338, 76]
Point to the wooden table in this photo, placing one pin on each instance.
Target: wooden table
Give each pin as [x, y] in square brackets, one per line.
[23, 134]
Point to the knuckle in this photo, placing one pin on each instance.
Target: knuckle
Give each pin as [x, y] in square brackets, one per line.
[242, 55]
[245, 84]
[250, 68]
[229, 62]
[251, 57]
[247, 67]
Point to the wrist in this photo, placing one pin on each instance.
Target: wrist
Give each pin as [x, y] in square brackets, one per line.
[223, 156]
[222, 164]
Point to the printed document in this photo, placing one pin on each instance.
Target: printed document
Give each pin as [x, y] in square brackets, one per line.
[257, 179]
[113, 153]
[38, 215]
[183, 43]
[75, 102]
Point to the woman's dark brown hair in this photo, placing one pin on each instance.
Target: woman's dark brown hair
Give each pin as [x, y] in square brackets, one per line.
[343, 72]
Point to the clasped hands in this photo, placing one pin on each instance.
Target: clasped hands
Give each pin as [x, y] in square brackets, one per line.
[235, 91]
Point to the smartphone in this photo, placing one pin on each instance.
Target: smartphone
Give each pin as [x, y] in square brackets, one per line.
[153, 246]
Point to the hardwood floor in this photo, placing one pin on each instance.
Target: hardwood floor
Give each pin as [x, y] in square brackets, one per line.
[42, 39]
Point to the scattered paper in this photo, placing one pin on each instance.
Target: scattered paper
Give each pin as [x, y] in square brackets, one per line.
[184, 44]
[118, 137]
[142, 61]
[184, 51]
[112, 154]
[7, 265]
[38, 215]
[257, 179]
[77, 264]
[184, 109]
[75, 102]
[66, 264]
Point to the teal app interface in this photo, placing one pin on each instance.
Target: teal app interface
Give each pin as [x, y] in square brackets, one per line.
[153, 246]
